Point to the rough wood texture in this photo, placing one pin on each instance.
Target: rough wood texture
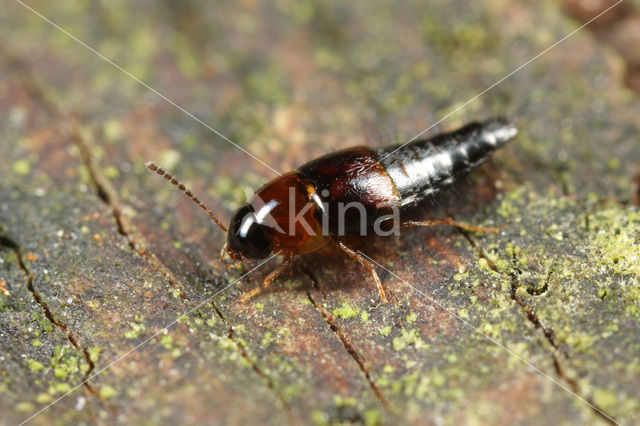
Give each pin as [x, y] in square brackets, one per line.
[98, 255]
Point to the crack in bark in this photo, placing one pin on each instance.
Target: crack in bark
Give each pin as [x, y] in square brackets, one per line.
[344, 338]
[13, 245]
[547, 332]
[245, 355]
[528, 310]
[104, 189]
[109, 195]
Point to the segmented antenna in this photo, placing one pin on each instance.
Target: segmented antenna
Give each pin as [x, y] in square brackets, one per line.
[186, 191]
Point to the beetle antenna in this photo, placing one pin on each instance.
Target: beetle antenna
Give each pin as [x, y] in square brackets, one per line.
[186, 191]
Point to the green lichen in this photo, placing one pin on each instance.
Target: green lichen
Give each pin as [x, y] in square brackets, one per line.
[35, 366]
[169, 159]
[212, 321]
[502, 265]
[167, 341]
[509, 206]
[319, 418]
[409, 338]
[373, 417]
[385, 331]
[22, 167]
[135, 330]
[227, 344]
[25, 407]
[437, 378]
[107, 392]
[58, 388]
[616, 242]
[289, 392]
[267, 339]
[233, 192]
[112, 130]
[94, 354]
[44, 398]
[68, 362]
[461, 276]
[605, 399]
[346, 311]
[614, 163]
[341, 401]
[111, 172]
[483, 264]
[60, 373]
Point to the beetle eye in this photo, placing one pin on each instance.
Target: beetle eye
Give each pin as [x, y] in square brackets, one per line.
[247, 236]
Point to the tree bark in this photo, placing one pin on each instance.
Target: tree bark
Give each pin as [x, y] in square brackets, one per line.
[109, 274]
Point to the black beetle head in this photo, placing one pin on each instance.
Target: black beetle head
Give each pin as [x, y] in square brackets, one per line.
[247, 237]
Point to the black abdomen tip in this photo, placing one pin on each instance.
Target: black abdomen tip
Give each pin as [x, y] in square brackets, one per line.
[424, 167]
[498, 131]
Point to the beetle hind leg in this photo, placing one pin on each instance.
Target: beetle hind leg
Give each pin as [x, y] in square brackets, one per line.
[449, 221]
[367, 264]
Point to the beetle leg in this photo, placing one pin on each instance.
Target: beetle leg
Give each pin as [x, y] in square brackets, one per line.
[449, 221]
[367, 264]
[223, 252]
[286, 262]
[233, 265]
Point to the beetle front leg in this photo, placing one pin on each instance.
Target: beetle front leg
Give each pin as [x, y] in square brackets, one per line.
[286, 262]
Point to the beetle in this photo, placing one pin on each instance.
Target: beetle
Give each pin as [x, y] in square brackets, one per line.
[303, 210]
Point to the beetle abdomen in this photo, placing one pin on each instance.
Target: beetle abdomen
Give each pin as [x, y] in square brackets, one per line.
[422, 168]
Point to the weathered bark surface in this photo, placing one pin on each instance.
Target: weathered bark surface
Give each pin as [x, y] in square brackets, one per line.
[98, 255]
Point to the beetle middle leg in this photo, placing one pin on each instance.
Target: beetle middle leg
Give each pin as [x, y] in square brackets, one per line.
[286, 262]
[449, 221]
[366, 263]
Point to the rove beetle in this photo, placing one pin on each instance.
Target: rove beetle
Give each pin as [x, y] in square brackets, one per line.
[303, 210]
